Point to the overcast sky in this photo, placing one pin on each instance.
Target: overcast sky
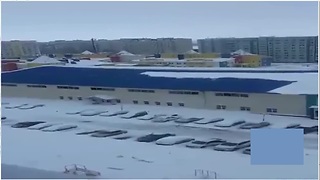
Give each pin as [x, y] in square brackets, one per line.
[44, 21]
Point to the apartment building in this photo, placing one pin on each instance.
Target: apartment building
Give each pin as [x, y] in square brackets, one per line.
[146, 45]
[63, 47]
[19, 49]
[282, 49]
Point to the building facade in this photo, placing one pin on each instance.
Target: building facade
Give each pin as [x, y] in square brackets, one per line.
[19, 49]
[282, 49]
[133, 86]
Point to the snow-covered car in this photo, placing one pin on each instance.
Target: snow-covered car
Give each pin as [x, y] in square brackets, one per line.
[135, 115]
[92, 113]
[26, 124]
[172, 140]
[111, 114]
[229, 124]
[308, 130]
[108, 133]
[204, 143]
[229, 146]
[153, 137]
[31, 106]
[41, 126]
[60, 127]
[293, 126]
[209, 121]
[247, 151]
[254, 125]
[17, 106]
[163, 119]
[187, 120]
[151, 116]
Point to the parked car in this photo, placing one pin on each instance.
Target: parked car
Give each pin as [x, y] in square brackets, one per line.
[61, 127]
[138, 114]
[247, 151]
[308, 130]
[150, 117]
[254, 125]
[229, 146]
[209, 121]
[165, 119]
[110, 114]
[41, 126]
[3, 118]
[108, 133]
[26, 124]
[230, 124]
[204, 143]
[293, 126]
[169, 141]
[153, 137]
[187, 120]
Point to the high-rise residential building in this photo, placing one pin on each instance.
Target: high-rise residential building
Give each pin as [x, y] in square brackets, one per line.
[19, 49]
[282, 49]
[146, 45]
[63, 47]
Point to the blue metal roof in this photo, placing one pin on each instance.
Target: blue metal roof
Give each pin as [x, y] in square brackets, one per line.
[132, 78]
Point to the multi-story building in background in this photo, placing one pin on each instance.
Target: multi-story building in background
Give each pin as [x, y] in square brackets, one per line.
[19, 49]
[282, 49]
[135, 46]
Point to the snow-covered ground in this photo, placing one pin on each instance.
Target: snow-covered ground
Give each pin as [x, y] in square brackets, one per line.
[131, 159]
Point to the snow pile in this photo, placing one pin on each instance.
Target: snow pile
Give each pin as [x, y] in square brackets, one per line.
[46, 60]
[87, 52]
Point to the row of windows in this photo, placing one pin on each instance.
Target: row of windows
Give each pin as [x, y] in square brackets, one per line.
[243, 108]
[67, 87]
[141, 90]
[37, 86]
[232, 94]
[11, 85]
[184, 92]
[102, 89]
[81, 98]
[156, 103]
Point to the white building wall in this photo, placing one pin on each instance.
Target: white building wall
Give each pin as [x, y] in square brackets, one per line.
[258, 103]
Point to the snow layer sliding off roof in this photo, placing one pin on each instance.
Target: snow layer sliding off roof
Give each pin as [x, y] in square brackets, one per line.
[302, 83]
[139, 78]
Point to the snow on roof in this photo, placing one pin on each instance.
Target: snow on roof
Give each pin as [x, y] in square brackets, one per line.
[241, 52]
[125, 53]
[45, 59]
[87, 52]
[303, 83]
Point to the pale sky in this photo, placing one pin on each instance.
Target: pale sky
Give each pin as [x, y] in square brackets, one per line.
[45, 21]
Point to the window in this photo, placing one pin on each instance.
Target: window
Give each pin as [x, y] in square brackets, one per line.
[12, 85]
[181, 104]
[158, 103]
[67, 87]
[61, 97]
[169, 103]
[37, 86]
[272, 110]
[146, 102]
[102, 89]
[79, 98]
[70, 98]
[245, 108]
[135, 102]
[221, 107]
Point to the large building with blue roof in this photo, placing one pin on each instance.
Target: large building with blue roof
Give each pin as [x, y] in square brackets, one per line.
[257, 92]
